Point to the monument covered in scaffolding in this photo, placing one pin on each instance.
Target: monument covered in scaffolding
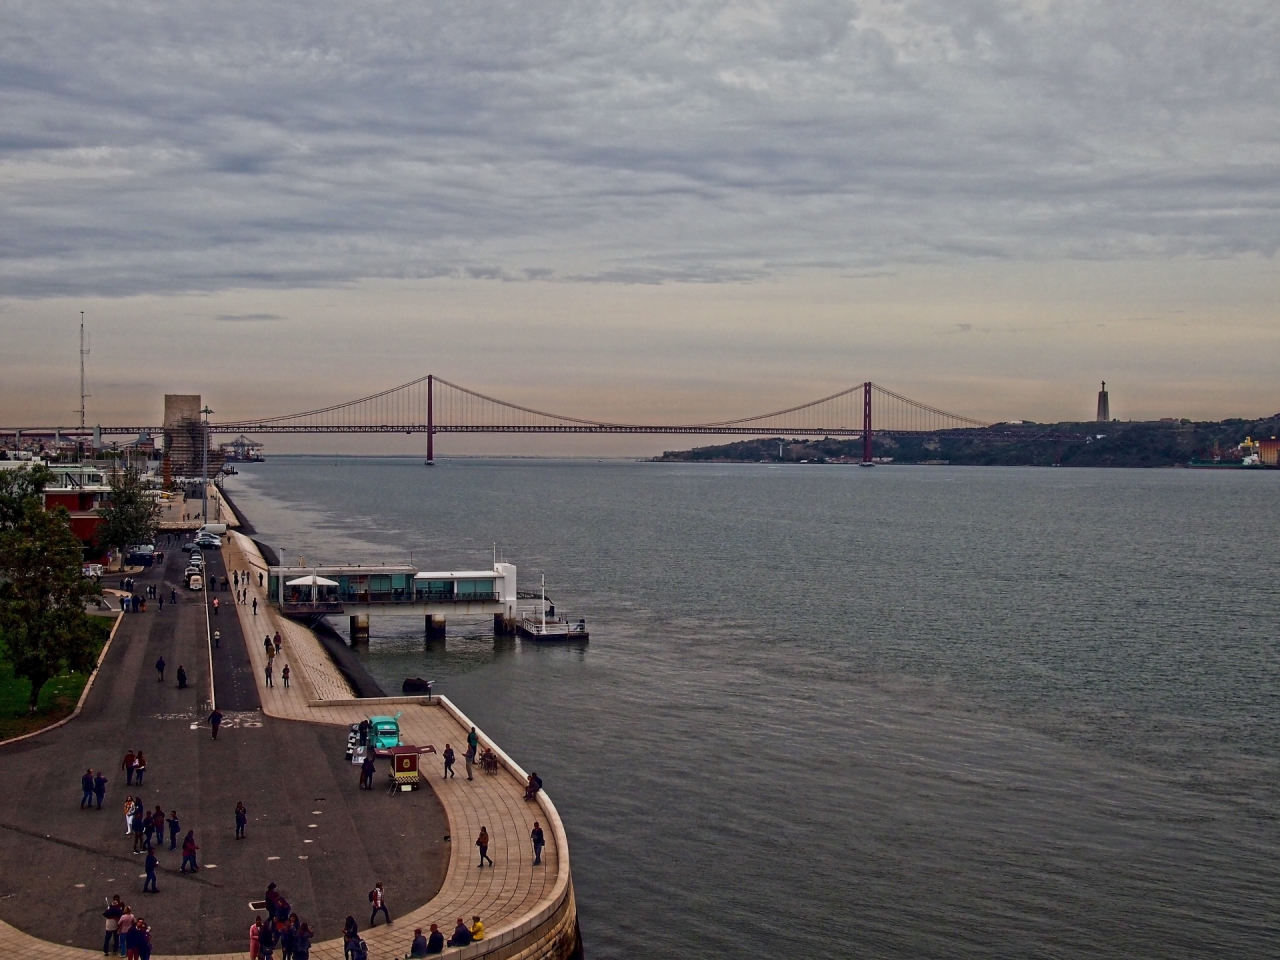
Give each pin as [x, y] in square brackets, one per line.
[184, 438]
[1104, 404]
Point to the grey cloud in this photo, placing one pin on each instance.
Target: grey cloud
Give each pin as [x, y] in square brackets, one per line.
[248, 317]
[198, 146]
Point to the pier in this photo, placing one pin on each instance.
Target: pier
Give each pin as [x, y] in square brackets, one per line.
[362, 591]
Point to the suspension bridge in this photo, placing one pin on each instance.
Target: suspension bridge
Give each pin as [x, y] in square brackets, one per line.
[431, 405]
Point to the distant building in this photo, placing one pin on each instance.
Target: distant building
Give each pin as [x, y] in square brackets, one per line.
[1269, 452]
[1104, 405]
[184, 438]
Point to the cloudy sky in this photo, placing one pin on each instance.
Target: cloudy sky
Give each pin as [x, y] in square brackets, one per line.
[642, 210]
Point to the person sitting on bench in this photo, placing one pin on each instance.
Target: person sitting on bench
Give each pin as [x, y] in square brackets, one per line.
[532, 788]
[461, 935]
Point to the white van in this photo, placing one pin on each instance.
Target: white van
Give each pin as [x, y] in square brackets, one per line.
[217, 529]
[196, 582]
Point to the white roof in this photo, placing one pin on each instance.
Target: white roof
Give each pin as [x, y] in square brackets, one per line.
[313, 580]
[463, 575]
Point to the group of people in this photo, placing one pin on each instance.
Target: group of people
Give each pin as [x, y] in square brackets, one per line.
[126, 934]
[147, 829]
[134, 766]
[424, 945]
[282, 930]
[271, 647]
[182, 673]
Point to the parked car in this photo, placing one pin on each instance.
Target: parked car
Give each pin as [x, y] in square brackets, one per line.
[212, 528]
[192, 571]
[196, 583]
[209, 543]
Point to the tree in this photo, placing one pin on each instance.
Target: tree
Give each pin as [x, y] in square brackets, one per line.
[42, 593]
[17, 488]
[133, 513]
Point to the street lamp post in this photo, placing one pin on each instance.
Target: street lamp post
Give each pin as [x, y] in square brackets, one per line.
[204, 468]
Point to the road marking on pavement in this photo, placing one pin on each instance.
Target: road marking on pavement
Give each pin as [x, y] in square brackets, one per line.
[312, 826]
[273, 858]
[79, 886]
[308, 841]
[315, 812]
[302, 856]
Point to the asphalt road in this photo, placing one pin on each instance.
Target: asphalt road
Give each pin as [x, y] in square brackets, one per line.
[310, 830]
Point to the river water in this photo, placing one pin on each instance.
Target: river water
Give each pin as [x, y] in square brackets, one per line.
[832, 712]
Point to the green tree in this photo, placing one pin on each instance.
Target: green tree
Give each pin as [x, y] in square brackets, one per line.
[43, 625]
[132, 514]
[17, 488]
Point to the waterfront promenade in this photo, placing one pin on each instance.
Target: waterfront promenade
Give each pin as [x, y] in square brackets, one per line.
[311, 830]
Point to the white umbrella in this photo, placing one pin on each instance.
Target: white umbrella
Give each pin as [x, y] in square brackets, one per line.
[315, 580]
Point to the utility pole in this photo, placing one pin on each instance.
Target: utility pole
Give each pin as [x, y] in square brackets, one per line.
[204, 468]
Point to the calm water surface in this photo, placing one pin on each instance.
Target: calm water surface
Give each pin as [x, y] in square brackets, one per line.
[831, 712]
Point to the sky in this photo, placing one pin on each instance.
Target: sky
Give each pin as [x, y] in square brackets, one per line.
[645, 211]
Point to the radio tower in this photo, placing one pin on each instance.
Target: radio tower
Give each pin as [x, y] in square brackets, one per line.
[83, 353]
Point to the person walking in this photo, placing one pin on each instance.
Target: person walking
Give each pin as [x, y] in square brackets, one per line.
[217, 639]
[473, 749]
[367, 770]
[86, 790]
[284, 675]
[175, 827]
[350, 934]
[255, 599]
[215, 721]
[182, 678]
[111, 939]
[127, 766]
[161, 599]
[215, 606]
[268, 670]
[448, 762]
[139, 768]
[482, 842]
[379, 900]
[160, 670]
[173, 595]
[128, 816]
[99, 787]
[150, 866]
[539, 841]
[242, 819]
[189, 849]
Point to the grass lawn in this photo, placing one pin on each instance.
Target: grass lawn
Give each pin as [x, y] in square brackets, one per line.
[58, 697]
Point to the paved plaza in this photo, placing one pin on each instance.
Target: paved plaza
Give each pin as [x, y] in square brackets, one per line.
[311, 831]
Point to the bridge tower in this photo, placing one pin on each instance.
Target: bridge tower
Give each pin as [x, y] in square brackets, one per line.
[866, 422]
[431, 420]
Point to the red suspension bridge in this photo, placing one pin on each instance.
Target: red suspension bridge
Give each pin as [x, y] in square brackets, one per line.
[432, 405]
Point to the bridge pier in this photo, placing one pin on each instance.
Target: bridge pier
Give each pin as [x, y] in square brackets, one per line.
[504, 626]
[435, 626]
[359, 628]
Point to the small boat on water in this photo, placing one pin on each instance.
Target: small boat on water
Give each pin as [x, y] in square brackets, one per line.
[542, 622]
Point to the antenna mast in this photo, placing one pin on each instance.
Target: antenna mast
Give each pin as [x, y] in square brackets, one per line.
[83, 353]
